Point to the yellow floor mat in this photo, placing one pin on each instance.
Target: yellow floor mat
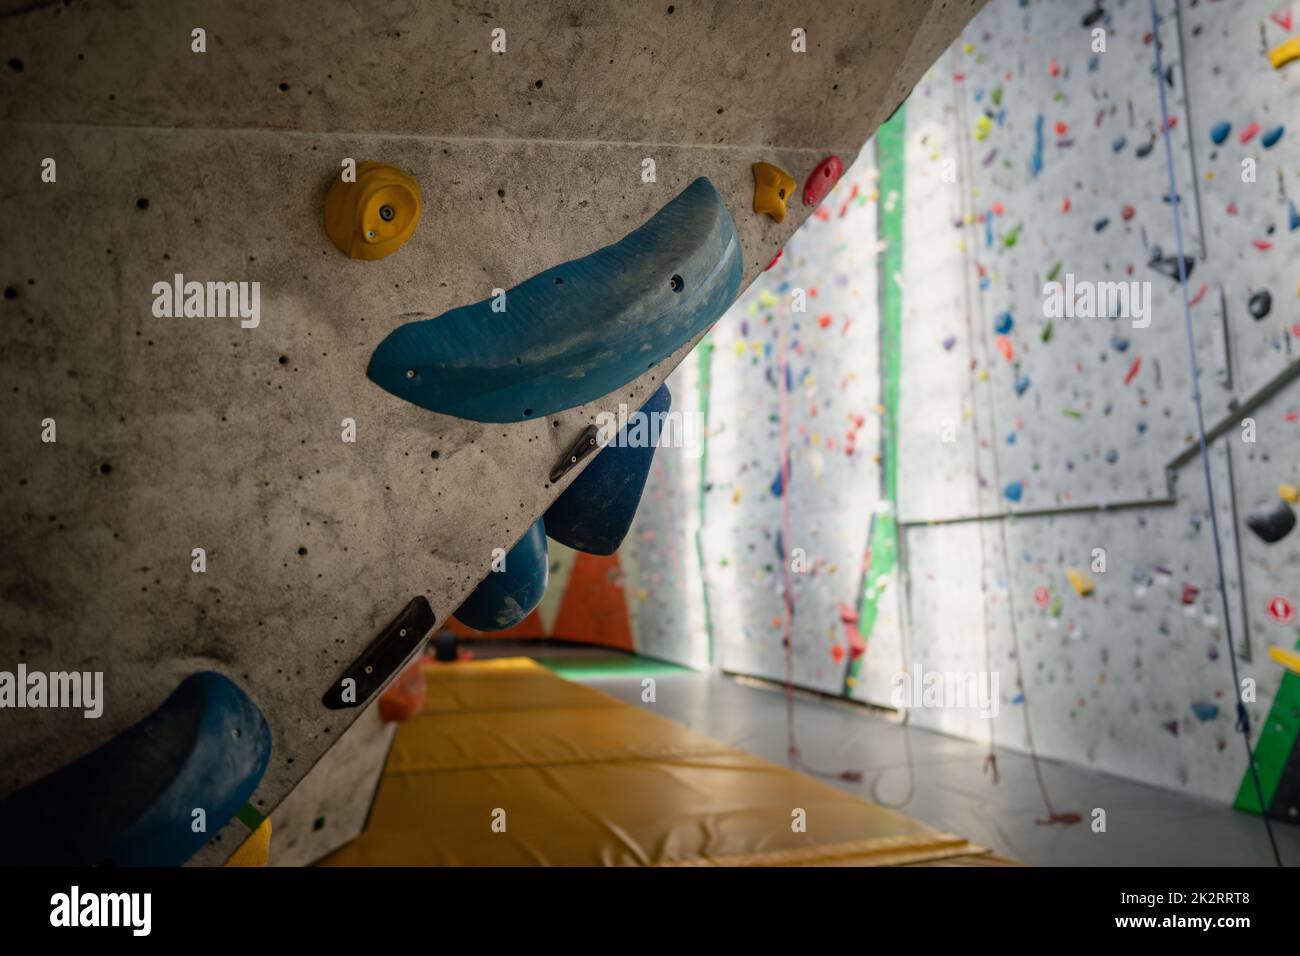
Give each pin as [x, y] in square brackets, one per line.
[510, 765]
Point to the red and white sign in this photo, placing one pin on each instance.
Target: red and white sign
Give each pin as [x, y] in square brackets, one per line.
[1281, 610]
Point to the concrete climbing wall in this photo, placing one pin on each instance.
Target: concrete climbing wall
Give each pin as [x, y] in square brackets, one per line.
[177, 433]
[1030, 441]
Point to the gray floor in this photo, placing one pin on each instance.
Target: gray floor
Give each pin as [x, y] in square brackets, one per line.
[1146, 826]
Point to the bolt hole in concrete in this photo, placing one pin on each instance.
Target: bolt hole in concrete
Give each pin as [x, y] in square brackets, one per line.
[386, 213]
[142, 203]
[528, 411]
[675, 283]
[105, 468]
[559, 281]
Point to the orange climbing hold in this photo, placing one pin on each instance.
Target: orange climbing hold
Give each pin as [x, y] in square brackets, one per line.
[404, 697]
[773, 187]
[372, 216]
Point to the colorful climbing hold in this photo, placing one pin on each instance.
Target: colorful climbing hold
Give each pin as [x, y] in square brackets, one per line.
[1284, 52]
[1219, 132]
[773, 188]
[374, 215]
[1270, 137]
[1080, 581]
[1014, 491]
[822, 180]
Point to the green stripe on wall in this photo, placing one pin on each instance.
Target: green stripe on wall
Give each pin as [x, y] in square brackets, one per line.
[1277, 738]
[883, 540]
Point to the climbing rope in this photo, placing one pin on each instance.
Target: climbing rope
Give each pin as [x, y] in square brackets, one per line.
[1053, 815]
[963, 155]
[1243, 718]
[792, 744]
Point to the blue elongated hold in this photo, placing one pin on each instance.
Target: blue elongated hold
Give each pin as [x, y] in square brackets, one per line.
[1004, 323]
[578, 331]
[131, 802]
[1219, 132]
[594, 513]
[507, 596]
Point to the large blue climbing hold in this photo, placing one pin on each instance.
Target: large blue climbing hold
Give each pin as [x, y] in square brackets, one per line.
[594, 513]
[133, 801]
[509, 593]
[578, 331]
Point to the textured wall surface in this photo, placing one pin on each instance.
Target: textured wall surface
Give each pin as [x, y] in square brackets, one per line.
[175, 434]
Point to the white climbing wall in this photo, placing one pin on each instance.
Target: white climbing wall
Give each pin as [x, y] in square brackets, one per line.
[1132, 678]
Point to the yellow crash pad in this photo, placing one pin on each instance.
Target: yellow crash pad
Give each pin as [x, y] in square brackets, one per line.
[510, 765]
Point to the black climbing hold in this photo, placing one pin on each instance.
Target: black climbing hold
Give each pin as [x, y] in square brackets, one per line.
[1092, 16]
[1271, 522]
[1168, 265]
[1261, 304]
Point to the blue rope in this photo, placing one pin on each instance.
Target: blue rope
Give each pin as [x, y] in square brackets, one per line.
[1243, 719]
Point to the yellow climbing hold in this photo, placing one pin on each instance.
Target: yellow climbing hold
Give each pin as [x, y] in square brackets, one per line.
[1289, 493]
[1080, 581]
[373, 216]
[983, 126]
[1288, 659]
[773, 188]
[256, 850]
[1284, 53]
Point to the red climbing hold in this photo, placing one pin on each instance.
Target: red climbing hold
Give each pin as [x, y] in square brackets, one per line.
[1248, 133]
[823, 178]
[775, 259]
[404, 697]
[1127, 213]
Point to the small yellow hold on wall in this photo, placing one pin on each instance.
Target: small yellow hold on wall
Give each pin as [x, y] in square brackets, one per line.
[375, 215]
[773, 188]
